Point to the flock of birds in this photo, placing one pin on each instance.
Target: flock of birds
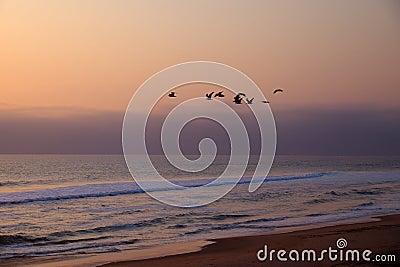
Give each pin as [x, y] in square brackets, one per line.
[237, 99]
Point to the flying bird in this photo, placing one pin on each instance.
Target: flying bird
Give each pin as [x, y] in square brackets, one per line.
[265, 101]
[238, 99]
[277, 90]
[172, 94]
[249, 101]
[209, 95]
[219, 94]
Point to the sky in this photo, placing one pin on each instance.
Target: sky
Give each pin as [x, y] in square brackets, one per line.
[69, 68]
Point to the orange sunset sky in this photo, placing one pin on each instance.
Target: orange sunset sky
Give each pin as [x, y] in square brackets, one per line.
[80, 57]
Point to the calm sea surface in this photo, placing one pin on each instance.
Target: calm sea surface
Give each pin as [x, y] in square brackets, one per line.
[76, 204]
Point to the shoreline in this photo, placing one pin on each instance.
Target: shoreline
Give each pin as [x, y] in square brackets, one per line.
[378, 235]
[242, 248]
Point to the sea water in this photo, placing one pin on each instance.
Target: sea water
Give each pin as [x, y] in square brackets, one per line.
[82, 204]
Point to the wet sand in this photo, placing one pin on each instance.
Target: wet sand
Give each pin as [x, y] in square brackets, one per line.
[381, 237]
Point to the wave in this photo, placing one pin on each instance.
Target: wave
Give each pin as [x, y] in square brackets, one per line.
[53, 248]
[316, 214]
[222, 217]
[8, 183]
[366, 204]
[17, 239]
[121, 188]
[111, 228]
[374, 191]
[28, 182]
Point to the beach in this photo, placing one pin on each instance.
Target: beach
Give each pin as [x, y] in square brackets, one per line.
[378, 234]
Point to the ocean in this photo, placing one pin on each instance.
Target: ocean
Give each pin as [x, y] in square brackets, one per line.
[84, 204]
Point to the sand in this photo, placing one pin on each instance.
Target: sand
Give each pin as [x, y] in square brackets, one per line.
[381, 235]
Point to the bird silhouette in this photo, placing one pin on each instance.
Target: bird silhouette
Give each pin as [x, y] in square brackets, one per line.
[277, 90]
[209, 95]
[249, 101]
[219, 94]
[238, 99]
[265, 101]
[172, 94]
